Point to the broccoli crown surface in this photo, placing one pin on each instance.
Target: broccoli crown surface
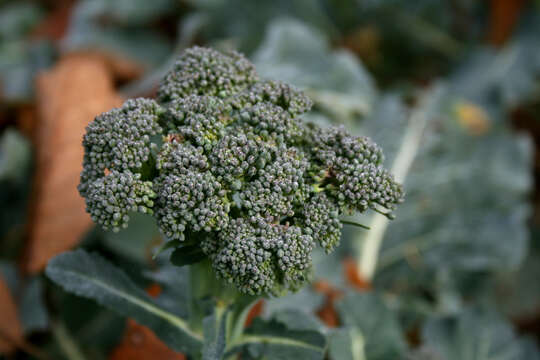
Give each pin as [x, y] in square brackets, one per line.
[223, 160]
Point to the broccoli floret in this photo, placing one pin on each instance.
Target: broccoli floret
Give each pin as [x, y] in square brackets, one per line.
[223, 161]
[110, 198]
[202, 71]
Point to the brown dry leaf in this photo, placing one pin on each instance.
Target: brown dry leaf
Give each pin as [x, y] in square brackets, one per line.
[504, 15]
[69, 96]
[27, 120]
[255, 311]
[327, 313]
[140, 343]
[55, 25]
[11, 332]
[353, 277]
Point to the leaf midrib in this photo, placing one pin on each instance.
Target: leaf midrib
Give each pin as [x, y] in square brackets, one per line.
[173, 320]
[248, 339]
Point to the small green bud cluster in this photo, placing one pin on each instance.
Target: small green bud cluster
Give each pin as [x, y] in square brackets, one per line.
[224, 161]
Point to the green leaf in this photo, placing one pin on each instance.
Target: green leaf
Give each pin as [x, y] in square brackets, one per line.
[303, 300]
[476, 334]
[142, 45]
[242, 21]
[32, 308]
[127, 12]
[15, 156]
[275, 340]
[20, 61]
[466, 207]
[17, 19]
[377, 327]
[187, 255]
[299, 320]
[298, 54]
[136, 242]
[175, 293]
[91, 276]
[346, 344]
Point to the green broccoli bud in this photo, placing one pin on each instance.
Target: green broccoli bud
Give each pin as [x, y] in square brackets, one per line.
[237, 171]
[110, 198]
[120, 140]
[202, 71]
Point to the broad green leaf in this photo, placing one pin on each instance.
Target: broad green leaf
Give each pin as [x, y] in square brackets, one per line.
[91, 276]
[465, 209]
[476, 334]
[143, 46]
[274, 340]
[243, 22]
[137, 241]
[127, 12]
[303, 300]
[346, 344]
[175, 293]
[518, 292]
[18, 18]
[20, 61]
[377, 327]
[298, 54]
[299, 320]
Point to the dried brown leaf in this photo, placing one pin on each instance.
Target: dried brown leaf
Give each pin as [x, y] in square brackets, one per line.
[69, 96]
[140, 343]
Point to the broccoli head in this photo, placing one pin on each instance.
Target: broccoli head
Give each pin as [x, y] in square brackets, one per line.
[224, 162]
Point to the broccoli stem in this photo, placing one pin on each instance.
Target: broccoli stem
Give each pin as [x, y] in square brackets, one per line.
[206, 290]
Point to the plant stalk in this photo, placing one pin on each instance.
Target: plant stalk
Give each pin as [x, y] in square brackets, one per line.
[368, 249]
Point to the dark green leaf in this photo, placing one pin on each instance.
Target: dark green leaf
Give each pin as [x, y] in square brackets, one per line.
[300, 55]
[187, 255]
[346, 344]
[91, 276]
[175, 293]
[274, 340]
[476, 334]
[376, 325]
[32, 309]
[243, 22]
[136, 242]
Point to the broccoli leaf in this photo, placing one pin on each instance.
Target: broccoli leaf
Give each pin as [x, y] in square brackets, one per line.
[347, 344]
[476, 334]
[175, 293]
[336, 81]
[91, 276]
[241, 21]
[32, 310]
[187, 255]
[372, 329]
[135, 242]
[465, 210]
[275, 340]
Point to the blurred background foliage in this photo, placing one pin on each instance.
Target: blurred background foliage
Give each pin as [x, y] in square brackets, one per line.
[450, 89]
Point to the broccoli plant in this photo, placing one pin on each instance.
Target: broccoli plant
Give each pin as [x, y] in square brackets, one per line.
[242, 189]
